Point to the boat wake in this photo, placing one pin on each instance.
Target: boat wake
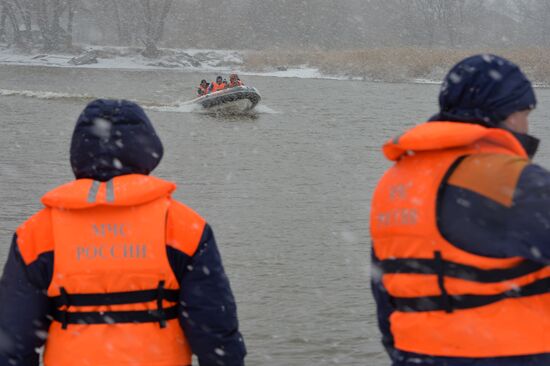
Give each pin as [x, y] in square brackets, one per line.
[187, 107]
[44, 95]
[178, 107]
[175, 107]
[263, 109]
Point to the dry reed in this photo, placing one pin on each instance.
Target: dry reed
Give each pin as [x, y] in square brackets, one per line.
[394, 64]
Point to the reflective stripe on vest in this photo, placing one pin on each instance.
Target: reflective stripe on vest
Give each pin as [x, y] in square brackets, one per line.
[114, 294]
[449, 302]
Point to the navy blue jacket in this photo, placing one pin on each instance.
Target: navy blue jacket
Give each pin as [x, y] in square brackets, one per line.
[113, 138]
[210, 320]
[480, 225]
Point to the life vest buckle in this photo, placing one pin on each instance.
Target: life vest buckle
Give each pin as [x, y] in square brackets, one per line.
[65, 301]
[440, 268]
[513, 292]
[160, 306]
[160, 314]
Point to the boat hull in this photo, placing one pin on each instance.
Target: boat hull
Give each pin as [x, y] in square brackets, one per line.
[241, 98]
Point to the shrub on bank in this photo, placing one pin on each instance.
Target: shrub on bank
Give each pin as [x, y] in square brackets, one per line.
[394, 64]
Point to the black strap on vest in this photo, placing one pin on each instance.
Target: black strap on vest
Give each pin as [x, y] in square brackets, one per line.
[112, 317]
[461, 302]
[457, 270]
[440, 269]
[160, 314]
[443, 268]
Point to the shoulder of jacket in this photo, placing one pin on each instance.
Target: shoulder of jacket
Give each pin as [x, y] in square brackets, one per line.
[35, 236]
[184, 228]
[494, 176]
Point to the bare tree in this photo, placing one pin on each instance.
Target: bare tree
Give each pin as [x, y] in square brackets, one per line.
[10, 12]
[291, 24]
[54, 19]
[23, 9]
[154, 17]
[122, 31]
[434, 23]
[3, 18]
[537, 12]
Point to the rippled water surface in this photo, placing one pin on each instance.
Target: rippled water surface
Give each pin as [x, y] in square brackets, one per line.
[287, 191]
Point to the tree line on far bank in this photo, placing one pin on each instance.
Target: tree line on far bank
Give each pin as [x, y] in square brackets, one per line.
[57, 25]
[51, 25]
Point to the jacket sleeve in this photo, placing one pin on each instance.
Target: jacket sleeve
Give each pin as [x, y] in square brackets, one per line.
[208, 311]
[529, 223]
[23, 310]
[521, 228]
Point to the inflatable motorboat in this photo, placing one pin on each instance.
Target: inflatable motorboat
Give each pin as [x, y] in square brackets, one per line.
[237, 99]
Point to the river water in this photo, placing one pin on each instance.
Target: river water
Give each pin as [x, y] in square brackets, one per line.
[286, 191]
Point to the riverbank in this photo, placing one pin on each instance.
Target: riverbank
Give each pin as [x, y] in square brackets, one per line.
[394, 64]
[377, 64]
[126, 58]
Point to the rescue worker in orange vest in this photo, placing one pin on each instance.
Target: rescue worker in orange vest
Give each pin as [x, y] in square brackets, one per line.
[203, 88]
[217, 85]
[461, 228]
[234, 81]
[113, 270]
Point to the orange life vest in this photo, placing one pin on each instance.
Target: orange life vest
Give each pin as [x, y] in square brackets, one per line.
[216, 87]
[203, 90]
[114, 294]
[449, 302]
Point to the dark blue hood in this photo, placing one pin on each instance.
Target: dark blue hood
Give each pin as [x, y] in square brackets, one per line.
[484, 89]
[112, 138]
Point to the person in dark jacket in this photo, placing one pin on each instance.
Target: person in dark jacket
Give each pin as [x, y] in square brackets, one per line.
[113, 270]
[471, 285]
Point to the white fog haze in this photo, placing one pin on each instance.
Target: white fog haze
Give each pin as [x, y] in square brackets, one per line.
[285, 176]
[374, 40]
